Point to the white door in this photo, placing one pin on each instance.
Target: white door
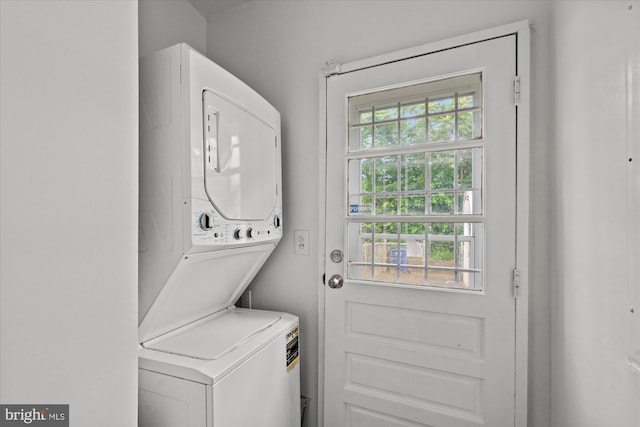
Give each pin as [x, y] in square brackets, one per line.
[421, 202]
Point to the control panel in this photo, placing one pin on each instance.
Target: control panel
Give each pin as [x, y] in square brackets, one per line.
[209, 228]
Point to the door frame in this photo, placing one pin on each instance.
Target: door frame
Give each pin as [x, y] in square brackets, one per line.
[522, 32]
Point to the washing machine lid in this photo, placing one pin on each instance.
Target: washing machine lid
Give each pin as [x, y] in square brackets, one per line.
[200, 285]
[241, 160]
[217, 337]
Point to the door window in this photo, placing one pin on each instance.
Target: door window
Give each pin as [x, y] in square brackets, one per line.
[415, 184]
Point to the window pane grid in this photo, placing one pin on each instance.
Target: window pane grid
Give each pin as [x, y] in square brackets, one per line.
[389, 126]
[423, 183]
[415, 185]
[423, 254]
[368, 122]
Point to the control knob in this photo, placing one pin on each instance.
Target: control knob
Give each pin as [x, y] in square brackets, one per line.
[238, 234]
[206, 221]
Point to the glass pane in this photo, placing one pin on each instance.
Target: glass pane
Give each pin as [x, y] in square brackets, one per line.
[413, 172]
[360, 253]
[360, 186]
[386, 228]
[385, 135]
[477, 124]
[386, 170]
[413, 131]
[366, 137]
[359, 272]
[464, 167]
[360, 205]
[386, 113]
[441, 253]
[366, 116]
[469, 202]
[412, 205]
[465, 125]
[386, 205]
[413, 110]
[364, 252]
[463, 255]
[360, 138]
[442, 203]
[466, 100]
[413, 228]
[441, 105]
[355, 205]
[441, 229]
[441, 278]
[470, 280]
[384, 274]
[366, 175]
[442, 128]
[412, 276]
[441, 168]
[412, 249]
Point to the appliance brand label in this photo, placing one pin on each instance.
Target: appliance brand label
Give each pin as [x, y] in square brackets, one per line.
[34, 415]
[293, 353]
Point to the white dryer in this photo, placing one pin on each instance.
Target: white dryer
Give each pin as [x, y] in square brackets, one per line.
[210, 216]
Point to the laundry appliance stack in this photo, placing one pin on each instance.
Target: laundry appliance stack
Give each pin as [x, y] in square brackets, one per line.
[210, 216]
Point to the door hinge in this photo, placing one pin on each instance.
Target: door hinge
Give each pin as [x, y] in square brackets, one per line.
[516, 283]
[516, 90]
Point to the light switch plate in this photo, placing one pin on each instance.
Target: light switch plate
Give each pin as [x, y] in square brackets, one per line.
[301, 242]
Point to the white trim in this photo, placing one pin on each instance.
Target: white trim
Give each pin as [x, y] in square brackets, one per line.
[522, 231]
[322, 157]
[521, 29]
[424, 49]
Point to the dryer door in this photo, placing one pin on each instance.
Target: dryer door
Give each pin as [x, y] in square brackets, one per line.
[240, 159]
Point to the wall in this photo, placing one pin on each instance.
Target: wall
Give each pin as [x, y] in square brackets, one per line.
[167, 22]
[68, 203]
[278, 48]
[596, 96]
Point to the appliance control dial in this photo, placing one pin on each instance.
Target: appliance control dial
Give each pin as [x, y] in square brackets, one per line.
[250, 233]
[276, 221]
[238, 234]
[206, 221]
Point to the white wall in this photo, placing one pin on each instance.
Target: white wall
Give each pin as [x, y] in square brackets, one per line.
[596, 97]
[278, 48]
[164, 23]
[68, 200]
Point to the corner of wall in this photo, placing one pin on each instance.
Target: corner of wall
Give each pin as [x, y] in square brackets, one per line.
[168, 22]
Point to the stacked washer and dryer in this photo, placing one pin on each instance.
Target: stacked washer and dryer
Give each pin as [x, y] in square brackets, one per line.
[210, 216]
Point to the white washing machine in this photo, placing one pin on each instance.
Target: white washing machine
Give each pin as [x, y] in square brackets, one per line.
[210, 216]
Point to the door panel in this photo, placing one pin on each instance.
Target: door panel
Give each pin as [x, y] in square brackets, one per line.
[422, 332]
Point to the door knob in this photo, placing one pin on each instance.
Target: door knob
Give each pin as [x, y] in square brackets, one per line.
[336, 281]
